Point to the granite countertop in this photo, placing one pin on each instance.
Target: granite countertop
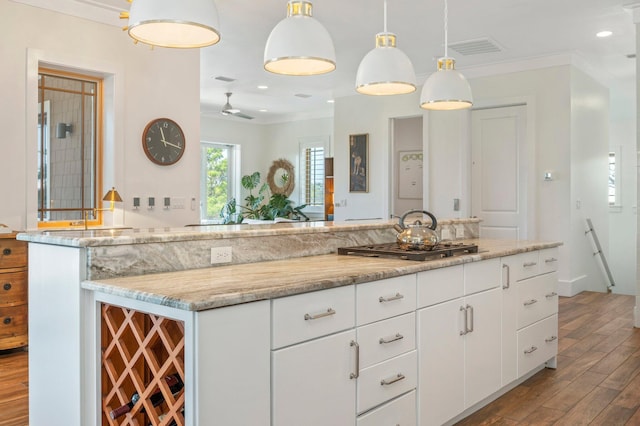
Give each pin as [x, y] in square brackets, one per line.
[124, 236]
[209, 288]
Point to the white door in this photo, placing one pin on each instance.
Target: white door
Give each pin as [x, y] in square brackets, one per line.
[498, 171]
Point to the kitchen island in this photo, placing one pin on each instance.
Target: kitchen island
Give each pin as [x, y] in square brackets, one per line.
[243, 348]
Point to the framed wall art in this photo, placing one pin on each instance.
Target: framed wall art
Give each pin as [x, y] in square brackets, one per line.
[359, 163]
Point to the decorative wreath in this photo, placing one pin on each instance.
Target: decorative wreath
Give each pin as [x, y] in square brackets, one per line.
[288, 183]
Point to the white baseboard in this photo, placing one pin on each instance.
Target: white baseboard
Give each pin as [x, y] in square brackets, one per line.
[569, 288]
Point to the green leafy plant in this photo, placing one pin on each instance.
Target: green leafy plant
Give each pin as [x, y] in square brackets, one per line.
[260, 205]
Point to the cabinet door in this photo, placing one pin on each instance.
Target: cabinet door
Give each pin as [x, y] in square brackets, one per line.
[441, 362]
[483, 350]
[311, 382]
[509, 319]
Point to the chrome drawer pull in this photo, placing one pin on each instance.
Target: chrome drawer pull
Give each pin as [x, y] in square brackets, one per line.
[551, 259]
[550, 295]
[551, 339]
[529, 264]
[530, 302]
[465, 331]
[470, 309]
[398, 336]
[329, 312]
[531, 350]
[357, 373]
[508, 284]
[397, 378]
[383, 299]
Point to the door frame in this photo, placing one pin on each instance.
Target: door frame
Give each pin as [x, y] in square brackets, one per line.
[531, 163]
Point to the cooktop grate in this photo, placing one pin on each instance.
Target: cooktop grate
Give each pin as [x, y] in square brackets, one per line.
[392, 250]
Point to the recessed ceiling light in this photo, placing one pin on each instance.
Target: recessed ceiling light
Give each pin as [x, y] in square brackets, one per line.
[263, 110]
[331, 101]
[263, 87]
[603, 34]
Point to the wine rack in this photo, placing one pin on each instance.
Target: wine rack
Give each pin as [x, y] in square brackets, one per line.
[139, 351]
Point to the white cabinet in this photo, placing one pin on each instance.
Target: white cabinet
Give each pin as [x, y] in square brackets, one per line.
[458, 340]
[312, 382]
[529, 312]
[329, 364]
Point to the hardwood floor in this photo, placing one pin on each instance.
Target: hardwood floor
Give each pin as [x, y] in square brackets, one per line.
[14, 388]
[597, 381]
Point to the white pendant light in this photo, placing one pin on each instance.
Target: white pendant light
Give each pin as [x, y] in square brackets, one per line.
[173, 23]
[299, 44]
[446, 89]
[385, 70]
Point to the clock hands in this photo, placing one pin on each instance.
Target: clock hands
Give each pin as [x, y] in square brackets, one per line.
[163, 140]
[171, 144]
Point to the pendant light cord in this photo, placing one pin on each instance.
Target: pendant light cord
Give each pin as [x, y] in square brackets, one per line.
[385, 16]
[446, 29]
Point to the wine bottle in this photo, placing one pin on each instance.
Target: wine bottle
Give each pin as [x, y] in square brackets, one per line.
[175, 385]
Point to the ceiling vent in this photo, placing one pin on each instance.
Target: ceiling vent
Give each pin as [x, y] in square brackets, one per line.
[476, 47]
[631, 56]
[226, 79]
[302, 95]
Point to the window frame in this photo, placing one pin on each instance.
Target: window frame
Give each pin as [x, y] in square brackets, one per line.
[233, 176]
[305, 143]
[98, 160]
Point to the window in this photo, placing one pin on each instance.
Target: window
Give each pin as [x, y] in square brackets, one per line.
[312, 182]
[314, 176]
[218, 179]
[69, 148]
[612, 178]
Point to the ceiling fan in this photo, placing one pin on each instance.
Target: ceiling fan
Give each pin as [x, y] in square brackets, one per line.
[227, 109]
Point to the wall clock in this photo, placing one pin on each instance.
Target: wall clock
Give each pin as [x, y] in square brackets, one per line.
[163, 141]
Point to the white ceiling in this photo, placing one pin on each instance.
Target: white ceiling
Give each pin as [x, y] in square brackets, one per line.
[527, 30]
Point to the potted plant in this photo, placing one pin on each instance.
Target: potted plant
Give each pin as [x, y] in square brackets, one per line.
[262, 205]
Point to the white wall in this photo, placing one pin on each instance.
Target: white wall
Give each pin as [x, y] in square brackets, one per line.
[361, 114]
[407, 136]
[262, 144]
[141, 84]
[622, 219]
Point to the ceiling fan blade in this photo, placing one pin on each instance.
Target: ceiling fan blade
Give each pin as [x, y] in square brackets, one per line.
[241, 115]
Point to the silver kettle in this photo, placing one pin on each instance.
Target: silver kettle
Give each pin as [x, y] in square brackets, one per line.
[417, 236]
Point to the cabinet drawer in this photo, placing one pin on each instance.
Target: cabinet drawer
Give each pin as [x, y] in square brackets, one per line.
[310, 315]
[386, 339]
[548, 260]
[13, 288]
[400, 411]
[526, 265]
[537, 344]
[13, 326]
[537, 298]
[385, 298]
[384, 381]
[481, 276]
[13, 254]
[439, 285]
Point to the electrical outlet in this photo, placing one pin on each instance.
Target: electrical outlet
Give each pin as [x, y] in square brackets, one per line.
[221, 255]
[459, 231]
[445, 234]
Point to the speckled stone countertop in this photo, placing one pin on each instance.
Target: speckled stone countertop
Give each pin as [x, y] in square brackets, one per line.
[127, 236]
[209, 288]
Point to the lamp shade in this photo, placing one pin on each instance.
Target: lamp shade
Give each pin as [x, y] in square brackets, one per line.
[385, 70]
[112, 195]
[171, 23]
[446, 89]
[299, 44]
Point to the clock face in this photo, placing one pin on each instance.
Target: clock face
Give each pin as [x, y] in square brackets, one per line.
[163, 141]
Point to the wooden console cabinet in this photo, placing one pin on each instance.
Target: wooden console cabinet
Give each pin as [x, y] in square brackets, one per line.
[13, 292]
